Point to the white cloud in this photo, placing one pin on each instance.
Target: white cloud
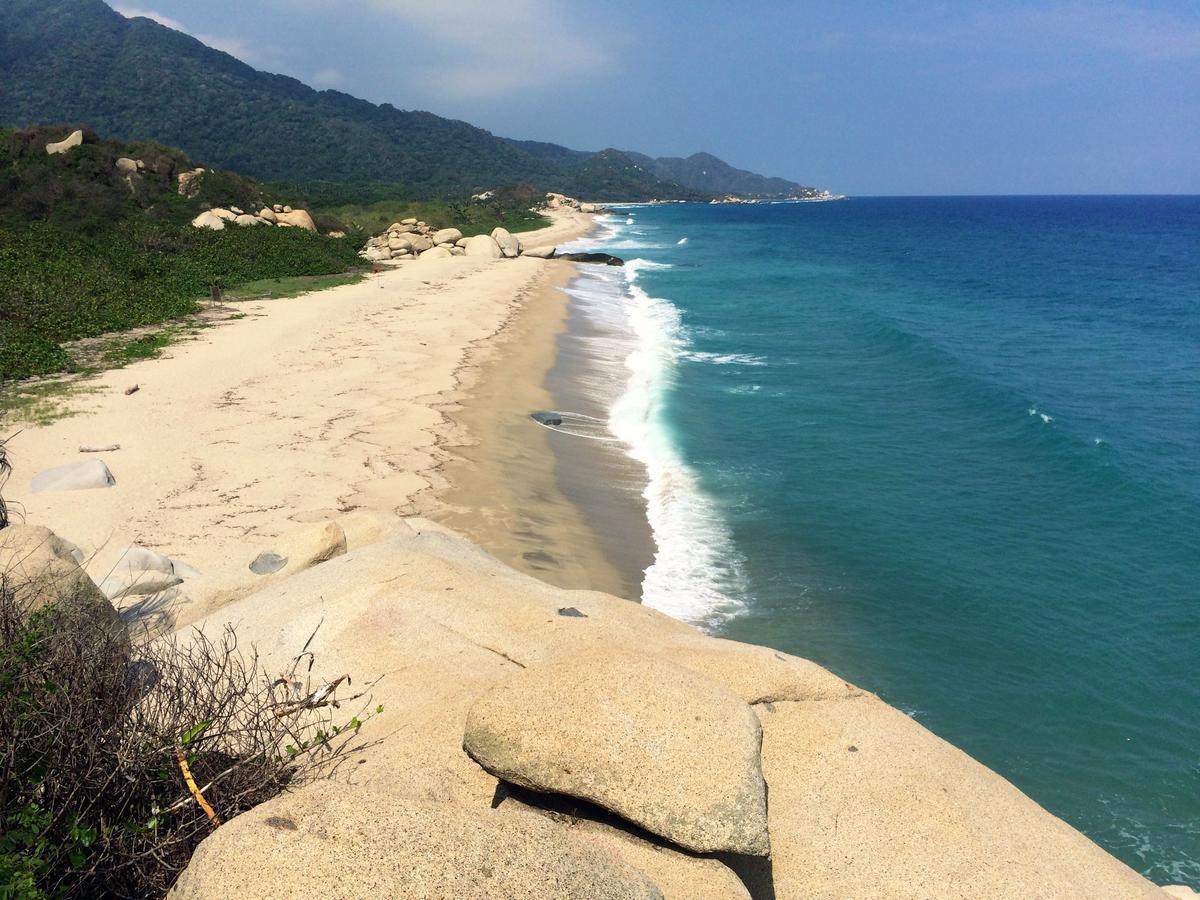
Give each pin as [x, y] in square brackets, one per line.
[491, 49]
[132, 12]
[234, 46]
[327, 78]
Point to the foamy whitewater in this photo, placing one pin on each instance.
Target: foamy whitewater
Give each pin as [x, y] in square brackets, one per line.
[948, 448]
[696, 573]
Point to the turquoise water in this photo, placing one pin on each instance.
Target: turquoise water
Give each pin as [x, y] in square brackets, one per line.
[949, 448]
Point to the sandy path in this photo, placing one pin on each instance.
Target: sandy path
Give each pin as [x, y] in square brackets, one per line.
[303, 409]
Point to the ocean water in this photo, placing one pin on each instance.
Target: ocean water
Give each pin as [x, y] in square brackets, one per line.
[948, 448]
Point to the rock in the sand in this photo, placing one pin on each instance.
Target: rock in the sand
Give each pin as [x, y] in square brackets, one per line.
[457, 251]
[662, 746]
[79, 476]
[267, 563]
[509, 245]
[356, 842]
[137, 584]
[245, 219]
[74, 139]
[399, 242]
[482, 245]
[377, 255]
[301, 548]
[600, 258]
[42, 569]
[208, 220]
[540, 252]
[436, 253]
[447, 236]
[267, 213]
[588, 207]
[297, 218]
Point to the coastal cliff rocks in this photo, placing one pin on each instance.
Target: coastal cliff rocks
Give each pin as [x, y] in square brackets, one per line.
[605, 259]
[189, 183]
[78, 476]
[447, 624]
[659, 745]
[356, 843]
[74, 139]
[866, 802]
[208, 219]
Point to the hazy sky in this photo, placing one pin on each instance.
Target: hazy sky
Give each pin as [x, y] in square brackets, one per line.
[862, 98]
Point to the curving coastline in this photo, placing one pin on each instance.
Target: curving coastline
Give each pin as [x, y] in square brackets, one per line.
[314, 426]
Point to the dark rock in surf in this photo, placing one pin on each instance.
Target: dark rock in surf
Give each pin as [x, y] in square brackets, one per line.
[599, 258]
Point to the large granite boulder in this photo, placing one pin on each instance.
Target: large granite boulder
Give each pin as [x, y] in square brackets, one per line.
[447, 236]
[208, 219]
[74, 139]
[419, 242]
[127, 166]
[44, 570]
[659, 745]
[436, 253]
[78, 476]
[301, 548]
[509, 245]
[540, 252]
[604, 259]
[867, 803]
[246, 219]
[296, 218]
[482, 245]
[269, 214]
[354, 842]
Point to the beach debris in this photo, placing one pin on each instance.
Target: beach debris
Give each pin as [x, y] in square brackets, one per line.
[79, 476]
[661, 746]
[132, 389]
[267, 563]
[107, 448]
[571, 612]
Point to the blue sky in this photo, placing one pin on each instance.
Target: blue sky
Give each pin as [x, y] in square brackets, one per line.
[862, 98]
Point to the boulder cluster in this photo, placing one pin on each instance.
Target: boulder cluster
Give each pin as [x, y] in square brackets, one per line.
[281, 216]
[562, 201]
[413, 239]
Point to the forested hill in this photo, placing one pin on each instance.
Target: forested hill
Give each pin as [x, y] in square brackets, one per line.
[81, 62]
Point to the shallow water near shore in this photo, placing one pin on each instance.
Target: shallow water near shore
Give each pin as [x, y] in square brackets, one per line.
[947, 447]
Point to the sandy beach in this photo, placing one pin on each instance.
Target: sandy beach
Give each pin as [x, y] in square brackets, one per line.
[305, 409]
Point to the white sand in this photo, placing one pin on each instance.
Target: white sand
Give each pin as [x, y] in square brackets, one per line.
[306, 408]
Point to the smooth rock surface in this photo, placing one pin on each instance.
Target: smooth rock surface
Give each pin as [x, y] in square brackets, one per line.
[447, 236]
[355, 843]
[78, 476]
[867, 803]
[508, 243]
[540, 252]
[482, 245]
[436, 253]
[297, 218]
[246, 219]
[208, 219]
[659, 745]
[74, 139]
[43, 569]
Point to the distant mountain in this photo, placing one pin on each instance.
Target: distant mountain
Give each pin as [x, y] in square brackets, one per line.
[705, 173]
[80, 61]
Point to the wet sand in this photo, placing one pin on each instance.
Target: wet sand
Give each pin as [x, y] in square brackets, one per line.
[564, 509]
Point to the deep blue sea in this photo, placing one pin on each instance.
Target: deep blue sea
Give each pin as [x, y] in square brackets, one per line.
[950, 449]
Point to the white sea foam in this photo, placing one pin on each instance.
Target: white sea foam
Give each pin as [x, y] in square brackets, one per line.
[681, 242]
[1033, 411]
[724, 359]
[629, 221]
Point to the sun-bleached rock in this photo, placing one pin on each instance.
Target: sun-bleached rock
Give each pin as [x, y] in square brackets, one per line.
[1180, 891]
[418, 242]
[540, 252]
[509, 245]
[127, 166]
[482, 245]
[208, 219]
[77, 476]
[357, 843]
[659, 745]
[245, 219]
[221, 213]
[42, 569]
[72, 140]
[306, 546]
[296, 218]
[856, 780]
[269, 214]
[461, 242]
[137, 584]
[408, 221]
[447, 236]
[189, 182]
[436, 253]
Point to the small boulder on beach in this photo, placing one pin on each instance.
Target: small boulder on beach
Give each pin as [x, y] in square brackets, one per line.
[659, 745]
[78, 476]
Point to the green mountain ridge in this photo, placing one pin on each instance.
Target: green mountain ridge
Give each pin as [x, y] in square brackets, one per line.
[82, 62]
